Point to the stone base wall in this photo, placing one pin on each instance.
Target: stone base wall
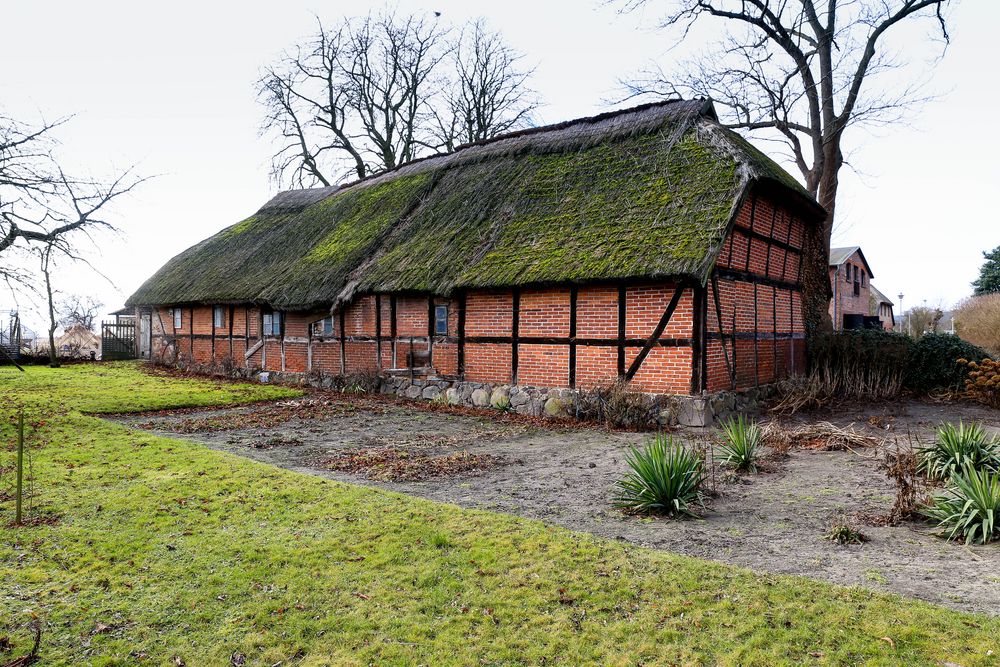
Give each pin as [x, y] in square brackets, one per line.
[554, 403]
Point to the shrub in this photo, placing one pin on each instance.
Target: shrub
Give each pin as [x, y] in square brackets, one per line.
[742, 438]
[663, 478]
[859, 363]
[902, 466]
[616, 403]
[954, 448]
[842, 532]
[933, 362]
[983, 381]
[978, 321]
[969, 507]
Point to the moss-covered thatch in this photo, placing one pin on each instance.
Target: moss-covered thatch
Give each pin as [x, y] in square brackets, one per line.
[642, 193]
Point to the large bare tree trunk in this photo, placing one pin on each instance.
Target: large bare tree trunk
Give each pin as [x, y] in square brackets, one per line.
[816, 274]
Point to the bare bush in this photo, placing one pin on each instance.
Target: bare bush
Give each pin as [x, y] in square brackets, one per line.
[901, 467]
[977, 320]
[616, 403]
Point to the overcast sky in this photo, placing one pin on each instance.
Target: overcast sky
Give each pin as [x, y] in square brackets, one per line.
[169, 87]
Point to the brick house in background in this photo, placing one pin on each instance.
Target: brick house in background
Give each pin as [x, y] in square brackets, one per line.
[856, 304]
[882, 307]
[650, 244]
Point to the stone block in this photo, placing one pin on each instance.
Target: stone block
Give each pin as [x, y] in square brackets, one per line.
[480, 398]
[500, 398]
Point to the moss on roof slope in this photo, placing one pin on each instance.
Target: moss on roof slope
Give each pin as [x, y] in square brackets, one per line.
[647, 192]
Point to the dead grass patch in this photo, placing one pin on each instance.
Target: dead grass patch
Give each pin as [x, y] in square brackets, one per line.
[391, 464]
[263, 416]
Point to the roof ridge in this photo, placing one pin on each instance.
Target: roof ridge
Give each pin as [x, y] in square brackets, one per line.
[296, 199]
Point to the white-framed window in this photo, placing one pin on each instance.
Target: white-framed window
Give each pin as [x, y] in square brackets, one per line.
[178, 321]
[218, 317]
[441, 320]
[273, 323]
[323, 327]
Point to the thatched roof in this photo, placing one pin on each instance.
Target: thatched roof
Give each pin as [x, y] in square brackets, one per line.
[646, 192]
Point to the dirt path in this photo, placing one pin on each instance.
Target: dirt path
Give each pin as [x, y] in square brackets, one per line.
[773, 521]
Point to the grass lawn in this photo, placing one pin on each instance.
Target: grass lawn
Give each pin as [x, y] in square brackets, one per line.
[164, 550]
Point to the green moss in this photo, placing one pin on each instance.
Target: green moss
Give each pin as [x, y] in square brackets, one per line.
[362, 215]
[617, 210]
[240, 227]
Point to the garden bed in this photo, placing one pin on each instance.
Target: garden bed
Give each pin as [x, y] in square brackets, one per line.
[773, 521]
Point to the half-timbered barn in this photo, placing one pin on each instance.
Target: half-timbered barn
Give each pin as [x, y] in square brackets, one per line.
[650, 244]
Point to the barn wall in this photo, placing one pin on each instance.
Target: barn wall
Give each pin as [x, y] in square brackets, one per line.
[547, 337]
[743, 329]
[757, 293]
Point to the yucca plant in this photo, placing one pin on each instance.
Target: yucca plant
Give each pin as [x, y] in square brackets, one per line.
[969, 506]
[664, 477]
[955, 447]
[742, 439]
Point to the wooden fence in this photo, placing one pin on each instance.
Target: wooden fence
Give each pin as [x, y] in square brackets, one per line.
[118, 340]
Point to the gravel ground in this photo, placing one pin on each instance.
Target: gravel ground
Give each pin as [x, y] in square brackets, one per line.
[773, 521]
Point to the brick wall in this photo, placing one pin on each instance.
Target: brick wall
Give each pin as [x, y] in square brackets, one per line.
[758, 299]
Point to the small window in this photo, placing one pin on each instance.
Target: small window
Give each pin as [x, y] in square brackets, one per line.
[323, 327]
[441, 320]
[219, 317]
[177, 318]
[848, 273]
[862, 277]
[272, 324]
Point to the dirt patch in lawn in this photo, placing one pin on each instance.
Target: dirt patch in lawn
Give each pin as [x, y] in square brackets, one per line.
[774, 521]
[390, 464]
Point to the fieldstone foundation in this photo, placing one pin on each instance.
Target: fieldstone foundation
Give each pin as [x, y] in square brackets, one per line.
[555, 403]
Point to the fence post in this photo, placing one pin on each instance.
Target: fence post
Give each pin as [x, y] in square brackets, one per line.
[20, 466]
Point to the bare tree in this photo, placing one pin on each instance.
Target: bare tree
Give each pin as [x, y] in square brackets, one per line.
[805, 71]
[83, 310]
[375, 92]
[357, 92]
[41, 206]
[923, 320]
[488, 95]
[45, 261]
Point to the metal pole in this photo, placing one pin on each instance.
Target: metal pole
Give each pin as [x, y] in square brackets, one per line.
[20, 466]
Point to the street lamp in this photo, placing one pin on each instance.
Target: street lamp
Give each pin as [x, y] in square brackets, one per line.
[902, 312]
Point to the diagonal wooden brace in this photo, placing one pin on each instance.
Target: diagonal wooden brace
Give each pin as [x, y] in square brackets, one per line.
[657, 332]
